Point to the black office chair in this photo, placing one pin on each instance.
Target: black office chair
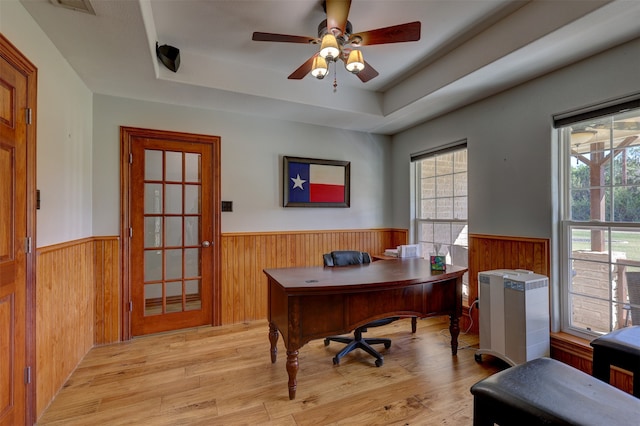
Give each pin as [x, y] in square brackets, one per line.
[633, 288]
[351, 257]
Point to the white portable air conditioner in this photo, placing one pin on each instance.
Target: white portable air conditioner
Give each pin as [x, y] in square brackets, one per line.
[514, 315]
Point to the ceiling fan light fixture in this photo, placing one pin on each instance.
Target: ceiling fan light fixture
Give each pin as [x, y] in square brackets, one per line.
[329, 48]
[355, 62]
[319, 68]
[355, 40]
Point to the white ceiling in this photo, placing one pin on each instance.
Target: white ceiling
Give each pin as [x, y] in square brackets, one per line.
[469, 49]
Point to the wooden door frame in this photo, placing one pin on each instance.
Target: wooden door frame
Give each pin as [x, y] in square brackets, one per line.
[127, 134]
[13, 56]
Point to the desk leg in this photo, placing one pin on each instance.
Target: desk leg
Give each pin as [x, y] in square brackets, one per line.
[454, 329]
[273, 338]
[292, 369]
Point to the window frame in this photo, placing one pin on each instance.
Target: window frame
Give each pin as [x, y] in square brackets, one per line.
[567, 224]
[416, 192]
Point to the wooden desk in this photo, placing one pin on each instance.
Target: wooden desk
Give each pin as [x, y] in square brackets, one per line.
[316, 302]
[375, 257]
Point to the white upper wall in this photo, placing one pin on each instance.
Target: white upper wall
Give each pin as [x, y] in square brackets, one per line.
[78, 154]
[251, 176]
[509, 136]
[64, 128]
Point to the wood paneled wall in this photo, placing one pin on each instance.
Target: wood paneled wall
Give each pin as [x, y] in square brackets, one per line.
[78, 288]
[245, 255]
[107, 290]
[488, 252]
[77, 298]
[577, 353]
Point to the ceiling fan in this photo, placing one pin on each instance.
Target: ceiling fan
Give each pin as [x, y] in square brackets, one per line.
[338, 41]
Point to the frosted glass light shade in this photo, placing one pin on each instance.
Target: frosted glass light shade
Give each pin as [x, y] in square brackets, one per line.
[319, 67]
[355, 62]
[329, 47]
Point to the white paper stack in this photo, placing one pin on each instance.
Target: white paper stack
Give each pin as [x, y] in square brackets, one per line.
[391, 252]
[409, 250]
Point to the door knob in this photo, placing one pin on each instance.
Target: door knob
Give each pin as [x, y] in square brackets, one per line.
[206, 244]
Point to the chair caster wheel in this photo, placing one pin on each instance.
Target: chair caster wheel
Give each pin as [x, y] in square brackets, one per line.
[326, 342]
[336, 360]
[478, 357]
[379, 362]
[387, 345]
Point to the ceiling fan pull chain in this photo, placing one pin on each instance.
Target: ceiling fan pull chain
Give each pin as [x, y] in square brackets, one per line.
[335, 79]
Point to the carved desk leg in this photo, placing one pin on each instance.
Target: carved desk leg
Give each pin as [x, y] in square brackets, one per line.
[454, 329]
[292, 370]
[273, 338]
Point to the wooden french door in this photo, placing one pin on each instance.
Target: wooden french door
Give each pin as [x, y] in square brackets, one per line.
[174, 230]
[17, 220]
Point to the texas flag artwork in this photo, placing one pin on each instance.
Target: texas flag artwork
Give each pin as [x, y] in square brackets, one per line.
[316, 183]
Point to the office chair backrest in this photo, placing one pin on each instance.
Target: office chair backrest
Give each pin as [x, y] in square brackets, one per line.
[345, 257]
[633, 287]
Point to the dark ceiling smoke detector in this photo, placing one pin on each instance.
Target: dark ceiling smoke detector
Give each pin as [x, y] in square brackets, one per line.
[169, 56]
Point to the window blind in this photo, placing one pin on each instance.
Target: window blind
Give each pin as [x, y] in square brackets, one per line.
[443, 149]
[595, 111]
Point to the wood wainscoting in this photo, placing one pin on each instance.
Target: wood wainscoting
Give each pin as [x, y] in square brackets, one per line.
[78, 288]
[578, 353]
[488, 252]
[77, 296]
[245, 255]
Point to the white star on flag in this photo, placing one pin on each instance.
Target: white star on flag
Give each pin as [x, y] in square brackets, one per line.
[297, 182]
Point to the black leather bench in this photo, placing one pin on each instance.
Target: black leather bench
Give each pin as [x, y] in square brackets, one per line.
[545, 391]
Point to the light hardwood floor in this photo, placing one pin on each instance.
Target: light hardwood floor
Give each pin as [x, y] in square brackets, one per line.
[224, 376]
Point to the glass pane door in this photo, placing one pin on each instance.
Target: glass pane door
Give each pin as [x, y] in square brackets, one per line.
[174, 229]
[172, 217]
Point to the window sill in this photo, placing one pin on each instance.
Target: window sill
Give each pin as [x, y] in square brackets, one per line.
[572, 350]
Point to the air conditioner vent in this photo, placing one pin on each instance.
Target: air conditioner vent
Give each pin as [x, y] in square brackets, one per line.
[79, 5]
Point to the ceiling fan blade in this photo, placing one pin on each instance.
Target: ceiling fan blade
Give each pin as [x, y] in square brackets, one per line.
[303, 69]
[283, 38]
[367, 73]
[395, 34]
[337, 13]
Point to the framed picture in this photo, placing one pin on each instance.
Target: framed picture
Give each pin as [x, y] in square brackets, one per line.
[310, 182]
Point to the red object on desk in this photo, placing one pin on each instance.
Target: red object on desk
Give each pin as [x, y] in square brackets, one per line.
[316, 302]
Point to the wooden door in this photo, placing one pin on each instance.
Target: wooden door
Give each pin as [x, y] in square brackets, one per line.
[174, 231]
[17, 141]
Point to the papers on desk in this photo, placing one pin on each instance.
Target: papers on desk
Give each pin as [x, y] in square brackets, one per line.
[407, 250]
[391, 252]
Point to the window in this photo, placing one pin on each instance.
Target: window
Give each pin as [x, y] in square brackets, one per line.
[441, 205]
[600, 221]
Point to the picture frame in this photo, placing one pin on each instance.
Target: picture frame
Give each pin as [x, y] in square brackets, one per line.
[311, 182]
